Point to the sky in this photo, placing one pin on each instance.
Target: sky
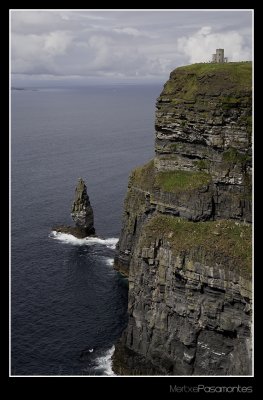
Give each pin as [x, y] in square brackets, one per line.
[71, 47]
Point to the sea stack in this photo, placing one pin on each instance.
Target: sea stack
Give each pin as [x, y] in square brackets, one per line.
[81, 212]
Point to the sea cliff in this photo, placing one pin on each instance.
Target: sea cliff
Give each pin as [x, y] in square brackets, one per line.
[185, 243]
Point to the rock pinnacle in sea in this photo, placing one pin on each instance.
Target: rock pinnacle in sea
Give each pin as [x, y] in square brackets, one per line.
[81, 212]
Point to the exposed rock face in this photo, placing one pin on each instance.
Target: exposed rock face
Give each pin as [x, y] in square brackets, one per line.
[81, 212]
[186, 238]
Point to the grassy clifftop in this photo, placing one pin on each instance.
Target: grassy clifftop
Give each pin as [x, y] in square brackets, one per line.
[177, 181]
[224, 242]
[239, 72]
[215, 79]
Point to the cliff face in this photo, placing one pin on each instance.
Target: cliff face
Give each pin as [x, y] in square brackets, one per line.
[186, 238]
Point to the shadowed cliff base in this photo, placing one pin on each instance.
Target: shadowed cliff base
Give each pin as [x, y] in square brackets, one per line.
[128, 362]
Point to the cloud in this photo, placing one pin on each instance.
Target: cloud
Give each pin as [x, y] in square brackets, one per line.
[57, 42]
[122, 43]
[134, 32]
[200, 46]
[37, 53]
[205, 30]
[34, 22]
[128, 31]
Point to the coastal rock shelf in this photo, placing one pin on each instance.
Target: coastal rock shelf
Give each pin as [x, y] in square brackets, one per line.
[186, 239]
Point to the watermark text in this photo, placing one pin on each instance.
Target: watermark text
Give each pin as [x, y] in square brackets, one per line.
[210, 389]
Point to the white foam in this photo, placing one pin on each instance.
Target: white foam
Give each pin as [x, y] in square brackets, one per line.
[87, 241]
[67, 238]
[105, 362]
[109, 261]
[110, 242]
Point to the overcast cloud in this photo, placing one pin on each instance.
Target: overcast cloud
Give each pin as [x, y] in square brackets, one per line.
[84, 46]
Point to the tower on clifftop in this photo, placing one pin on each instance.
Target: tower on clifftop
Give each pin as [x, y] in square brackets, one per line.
[219, 57]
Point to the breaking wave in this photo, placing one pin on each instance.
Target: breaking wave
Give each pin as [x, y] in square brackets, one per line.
[104, 363]
[87, 241]
[109, 261]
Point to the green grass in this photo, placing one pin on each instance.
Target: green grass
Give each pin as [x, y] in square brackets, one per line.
[173, 147]
[178, 181]
[224, 242]
[186, 82]
[229, 102]
[188, 88]
[239, 72]
[176, 101]
[202, 164]
[143, 177]
[146, 178]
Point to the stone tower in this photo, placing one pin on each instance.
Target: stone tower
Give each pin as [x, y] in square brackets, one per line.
[218, 57]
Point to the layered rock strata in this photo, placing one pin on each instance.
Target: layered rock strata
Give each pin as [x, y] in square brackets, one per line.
[185, 243]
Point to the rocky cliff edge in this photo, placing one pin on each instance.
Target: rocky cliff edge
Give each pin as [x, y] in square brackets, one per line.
[186, 240]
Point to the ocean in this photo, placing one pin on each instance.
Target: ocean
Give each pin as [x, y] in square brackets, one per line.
[68, 304]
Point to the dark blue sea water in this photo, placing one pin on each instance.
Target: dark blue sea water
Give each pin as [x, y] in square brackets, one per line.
[68, 304]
